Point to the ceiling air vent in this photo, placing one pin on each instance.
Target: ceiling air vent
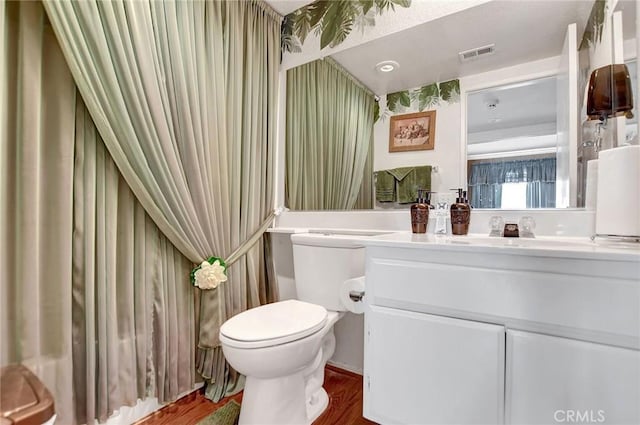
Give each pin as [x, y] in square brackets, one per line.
[473, 54]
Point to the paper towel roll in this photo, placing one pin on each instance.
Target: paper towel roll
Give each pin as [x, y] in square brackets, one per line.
[591, 192]
[356, 285]
[618, 199]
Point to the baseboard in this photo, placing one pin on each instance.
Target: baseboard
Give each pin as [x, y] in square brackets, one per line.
[346, 367]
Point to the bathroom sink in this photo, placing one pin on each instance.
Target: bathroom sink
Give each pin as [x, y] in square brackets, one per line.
[346, 238]
[542, 242]
[349, 232]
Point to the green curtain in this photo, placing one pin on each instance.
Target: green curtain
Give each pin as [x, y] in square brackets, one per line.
[365, 200]
[133, 305]
[94, 299]
[329, 134]
[36, 186]
[183, 94]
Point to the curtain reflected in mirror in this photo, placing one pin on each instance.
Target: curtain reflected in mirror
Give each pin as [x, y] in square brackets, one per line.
[329, 153]
[513, 184]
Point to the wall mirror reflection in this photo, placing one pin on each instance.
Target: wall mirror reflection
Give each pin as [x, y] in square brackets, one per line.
[512, 144]
[436, 56]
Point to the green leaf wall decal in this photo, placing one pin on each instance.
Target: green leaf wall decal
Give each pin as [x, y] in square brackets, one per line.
[376, 111]
[318, 10]
[302, 24]
[366, 6]
[427, 96]
[450, 91]
[291, 43]
[338, 22]
[405, 98]
[422, 98]
[402, 98]
[593, 30]
[383, 5]
[333, 20]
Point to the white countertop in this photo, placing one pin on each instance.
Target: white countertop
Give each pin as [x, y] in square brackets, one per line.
[563, 247]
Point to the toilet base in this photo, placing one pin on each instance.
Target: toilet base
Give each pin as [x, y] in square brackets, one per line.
[280, 401]
[274, 401]
[297, 399]
[315, 409]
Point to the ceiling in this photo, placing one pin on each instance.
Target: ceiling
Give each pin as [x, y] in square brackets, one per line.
[522, 31]
[512, 118]
[528, 104]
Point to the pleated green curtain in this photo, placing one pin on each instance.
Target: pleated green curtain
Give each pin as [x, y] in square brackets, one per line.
[183, 94]
[94, 299]
[329, 135]
[36, 186]
[365, 199]
[133, 315]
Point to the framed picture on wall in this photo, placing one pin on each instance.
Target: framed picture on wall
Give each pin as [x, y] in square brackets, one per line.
[412, 132]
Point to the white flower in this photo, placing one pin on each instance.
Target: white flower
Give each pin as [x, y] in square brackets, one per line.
[209, 276]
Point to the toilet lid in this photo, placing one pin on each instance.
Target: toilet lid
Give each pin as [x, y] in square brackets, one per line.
[273, 324]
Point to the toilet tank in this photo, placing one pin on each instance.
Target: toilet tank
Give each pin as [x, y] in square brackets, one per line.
[322, 262]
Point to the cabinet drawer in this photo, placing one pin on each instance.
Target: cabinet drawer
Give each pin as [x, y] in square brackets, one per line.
[582, 304]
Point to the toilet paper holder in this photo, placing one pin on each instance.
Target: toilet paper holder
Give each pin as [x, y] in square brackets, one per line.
[356, 296]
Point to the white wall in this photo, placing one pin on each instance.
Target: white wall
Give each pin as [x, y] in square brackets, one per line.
[446, 153]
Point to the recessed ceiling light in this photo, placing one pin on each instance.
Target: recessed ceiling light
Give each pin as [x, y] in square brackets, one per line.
[387, 66]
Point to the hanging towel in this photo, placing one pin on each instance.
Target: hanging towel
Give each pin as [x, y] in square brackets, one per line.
[385, 186]
[401, 184]
[409, 180]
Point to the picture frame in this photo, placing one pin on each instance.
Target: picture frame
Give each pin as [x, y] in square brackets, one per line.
[412, 132]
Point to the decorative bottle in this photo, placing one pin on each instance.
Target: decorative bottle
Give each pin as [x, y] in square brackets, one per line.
[460, 215]
[420, 212]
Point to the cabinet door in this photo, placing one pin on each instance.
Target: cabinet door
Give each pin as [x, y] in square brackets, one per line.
[559, 380]
[424, 369]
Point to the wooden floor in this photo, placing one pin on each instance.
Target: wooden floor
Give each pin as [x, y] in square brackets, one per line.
[345, 403]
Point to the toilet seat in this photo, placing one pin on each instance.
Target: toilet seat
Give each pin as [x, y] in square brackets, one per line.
[273, 324]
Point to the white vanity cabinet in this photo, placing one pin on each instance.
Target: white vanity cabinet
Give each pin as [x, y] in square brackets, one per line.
[419, 382]
[549, 378]
[457, 335]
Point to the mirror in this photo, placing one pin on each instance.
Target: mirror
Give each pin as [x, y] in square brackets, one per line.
[512, 144]
[494, 45]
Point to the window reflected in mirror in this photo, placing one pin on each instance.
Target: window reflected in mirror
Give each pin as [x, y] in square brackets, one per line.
[512, 145]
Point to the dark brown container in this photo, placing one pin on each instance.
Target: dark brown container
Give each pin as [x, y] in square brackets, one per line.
[460, 215]
[460, 218]
[610, 92]
[419, 218]
[24, 400]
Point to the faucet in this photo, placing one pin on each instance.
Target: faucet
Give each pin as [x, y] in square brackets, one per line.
[527, 224]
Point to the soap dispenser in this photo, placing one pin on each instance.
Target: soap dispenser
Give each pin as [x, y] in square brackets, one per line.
[420, 212]
[460, 214]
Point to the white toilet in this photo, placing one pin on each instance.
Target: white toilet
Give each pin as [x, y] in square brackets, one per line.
[282, 348]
